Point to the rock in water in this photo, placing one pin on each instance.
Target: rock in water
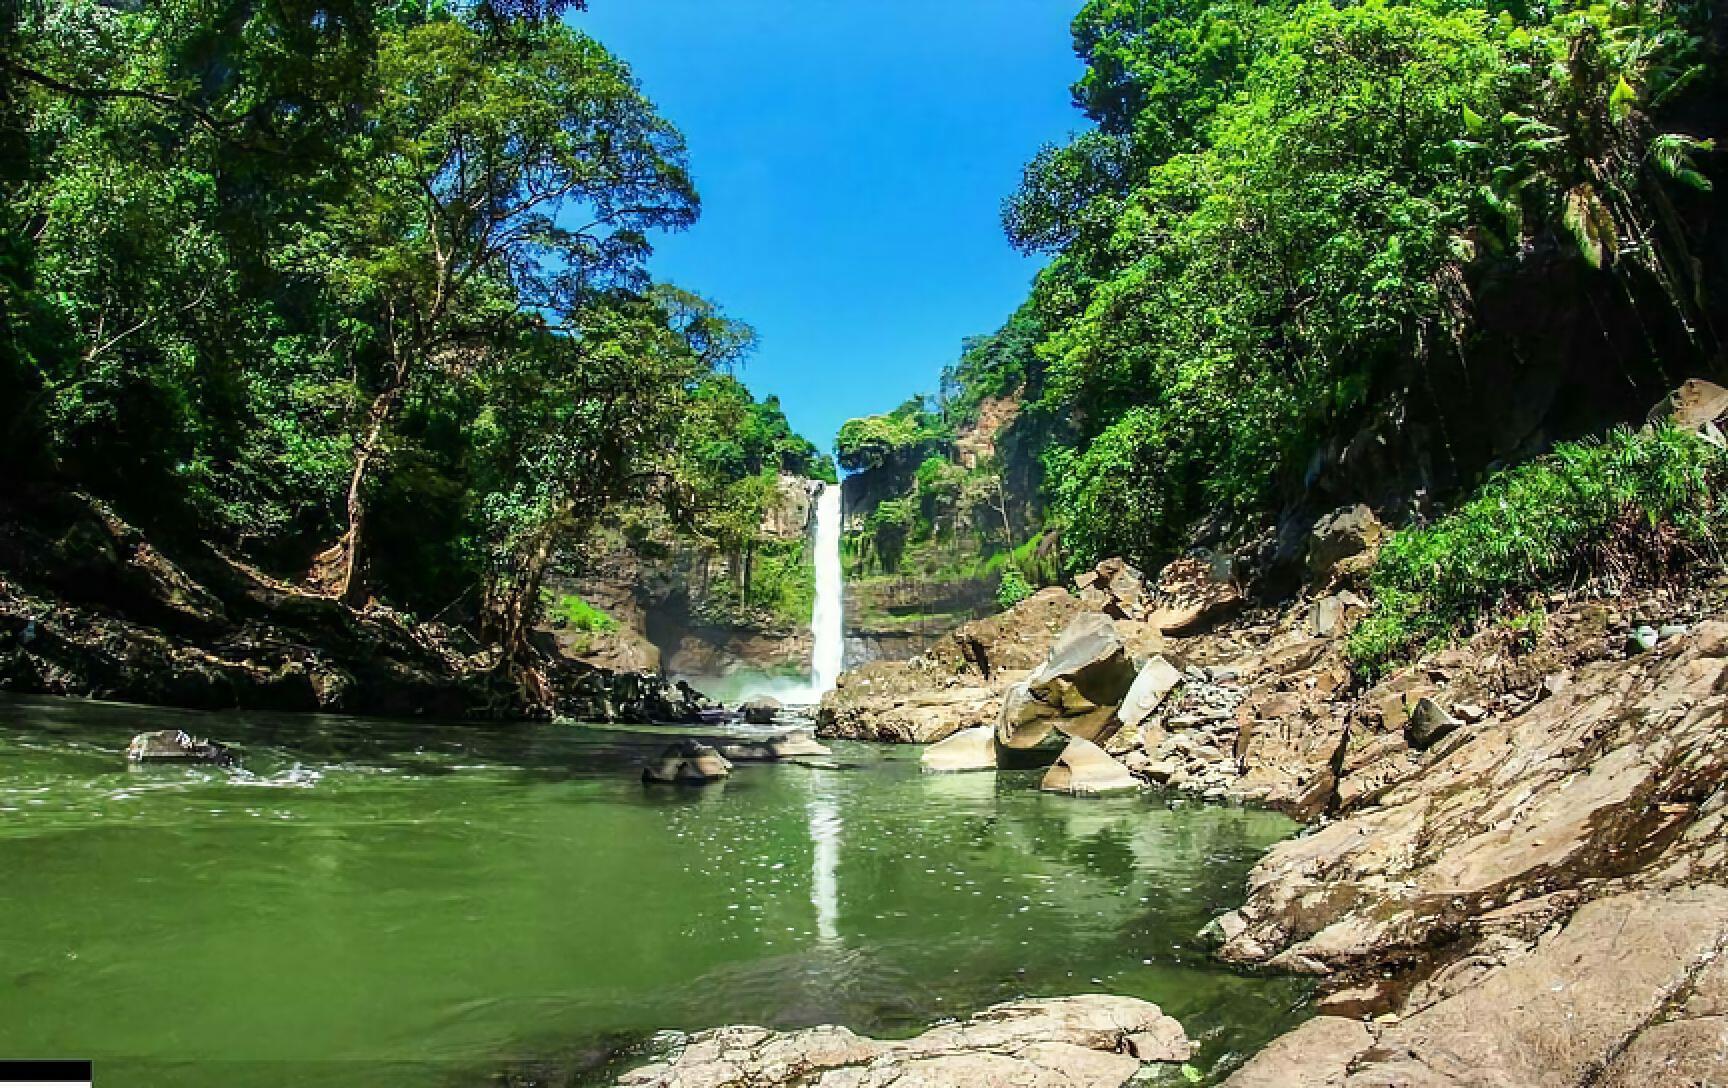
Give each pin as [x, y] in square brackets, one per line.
[798, 744]
[968, 750]
[1076, 690]
[176, 746]
[1091, 1041]
[1083, 767]
[688, 762]
[762, 710]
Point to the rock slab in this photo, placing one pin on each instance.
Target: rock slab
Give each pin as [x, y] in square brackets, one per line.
[1090, 1041]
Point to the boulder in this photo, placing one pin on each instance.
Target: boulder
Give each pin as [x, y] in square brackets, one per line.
[797, 744]
[1090, 1041]
[1157, 678]
[1428, 723]
[968, 750]
[1342, 535]
[1696, 404]
[1114, 587]
[1075, 690]
[1192, 596]
[762, 710]
[687, 762]
[176, 746]
[1083, 767]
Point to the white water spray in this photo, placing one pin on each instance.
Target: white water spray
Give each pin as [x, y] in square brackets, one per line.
[827, 619]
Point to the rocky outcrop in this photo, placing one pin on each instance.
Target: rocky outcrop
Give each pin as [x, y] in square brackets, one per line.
[957, 684]
[1091, 1041]
[90, 607]
[1192, 595]
[1630, 992]
[1617, 777]
[688, 763]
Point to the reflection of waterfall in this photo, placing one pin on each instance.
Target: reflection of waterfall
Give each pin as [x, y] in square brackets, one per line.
[825, 864]
[827, 625]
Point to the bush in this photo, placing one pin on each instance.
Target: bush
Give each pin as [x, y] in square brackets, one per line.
[577, 614]
[1633, 508]
[1012, 589]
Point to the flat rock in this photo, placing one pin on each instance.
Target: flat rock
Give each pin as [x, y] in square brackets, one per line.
[968, 750]
[1088, 1041]
[688, 762]
[1083, 767]
[797, 744]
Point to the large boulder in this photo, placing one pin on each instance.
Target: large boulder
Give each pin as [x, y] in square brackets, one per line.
[1193, 595]
[968, 750]
[688, 762]
[1090, 1041]
[1076, 690]
[1156, 680]
[1083, 767]
[1348, 535]
[176, 746]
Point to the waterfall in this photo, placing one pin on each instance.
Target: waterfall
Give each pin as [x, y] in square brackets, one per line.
[827, 619]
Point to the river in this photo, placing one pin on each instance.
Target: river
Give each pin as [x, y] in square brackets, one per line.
[403, 905]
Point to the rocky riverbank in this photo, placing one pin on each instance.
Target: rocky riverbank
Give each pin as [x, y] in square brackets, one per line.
[1514, 873]
[89, 607]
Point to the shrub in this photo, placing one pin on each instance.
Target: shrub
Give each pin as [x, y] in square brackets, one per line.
[1012, 589]
[578, 615]
[1633, 508]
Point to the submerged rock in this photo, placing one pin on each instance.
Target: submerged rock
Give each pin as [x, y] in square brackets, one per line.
[1090, 1041]
[762, 710]
[688, 762]
[1083, 767]
[176, 746]
[968, 750]
[797, 744]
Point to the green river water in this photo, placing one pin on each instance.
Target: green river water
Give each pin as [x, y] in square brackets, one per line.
[401, 905]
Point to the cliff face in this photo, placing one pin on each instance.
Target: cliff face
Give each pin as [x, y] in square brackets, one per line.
[674, 604]
[929, 532]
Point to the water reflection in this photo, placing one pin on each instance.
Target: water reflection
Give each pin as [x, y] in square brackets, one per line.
[825, 858]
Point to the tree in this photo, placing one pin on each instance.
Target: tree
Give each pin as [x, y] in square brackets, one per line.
[487, 144]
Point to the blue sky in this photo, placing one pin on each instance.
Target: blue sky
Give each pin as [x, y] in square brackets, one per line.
[851, 158]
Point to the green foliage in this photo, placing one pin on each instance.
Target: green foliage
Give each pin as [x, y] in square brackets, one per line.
[1634, 507]
[904, 435]
[278, 275]
[1012, 589]
[573, 612]
[1278, 210]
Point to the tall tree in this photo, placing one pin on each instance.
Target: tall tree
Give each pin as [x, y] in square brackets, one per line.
[517, 170]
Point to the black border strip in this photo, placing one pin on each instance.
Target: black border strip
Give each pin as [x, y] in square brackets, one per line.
[58, 1072]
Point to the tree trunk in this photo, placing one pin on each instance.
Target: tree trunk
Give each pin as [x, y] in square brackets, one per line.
[339, 569]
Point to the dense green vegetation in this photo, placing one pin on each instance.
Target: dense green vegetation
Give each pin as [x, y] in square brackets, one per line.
[1635, 508]
[359, 291]
[1280, 205]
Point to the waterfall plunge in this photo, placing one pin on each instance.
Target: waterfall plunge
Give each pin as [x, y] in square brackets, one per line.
[827, 619]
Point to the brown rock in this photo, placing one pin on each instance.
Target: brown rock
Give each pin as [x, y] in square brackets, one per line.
[1076, 1042]
[1083, 767]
